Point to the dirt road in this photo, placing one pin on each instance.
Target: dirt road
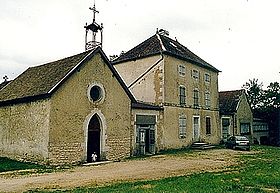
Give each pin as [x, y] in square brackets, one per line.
[154, 167]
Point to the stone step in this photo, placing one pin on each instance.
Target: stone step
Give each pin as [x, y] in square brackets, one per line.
[202, 146]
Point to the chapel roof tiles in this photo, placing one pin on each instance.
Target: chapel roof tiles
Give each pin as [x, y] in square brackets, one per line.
[228, 101]
[162, 44]
[3, 84]
[41, 81]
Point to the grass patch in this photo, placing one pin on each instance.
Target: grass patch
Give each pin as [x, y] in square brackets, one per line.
[257, 172]
[10, 168]
[7, 164]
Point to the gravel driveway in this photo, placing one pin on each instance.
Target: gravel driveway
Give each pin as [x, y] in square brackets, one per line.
[154, 167]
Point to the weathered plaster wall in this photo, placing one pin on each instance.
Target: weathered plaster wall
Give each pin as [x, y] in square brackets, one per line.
[150, 84]
[171, 127]
[172, 81]
[244, 114]
[131, 70]
[24, 130]
[161, 86]
[71, 111]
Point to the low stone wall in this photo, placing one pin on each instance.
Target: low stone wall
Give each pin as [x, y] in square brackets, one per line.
[119, 148]
[24, 131]
[65, 153]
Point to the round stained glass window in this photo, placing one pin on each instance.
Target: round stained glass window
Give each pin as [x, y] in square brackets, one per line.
[95, 93]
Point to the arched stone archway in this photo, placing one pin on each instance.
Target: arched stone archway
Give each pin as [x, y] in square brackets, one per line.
[95, 136]
[93, 142]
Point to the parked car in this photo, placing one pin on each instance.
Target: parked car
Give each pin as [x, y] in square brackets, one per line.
[240, 142]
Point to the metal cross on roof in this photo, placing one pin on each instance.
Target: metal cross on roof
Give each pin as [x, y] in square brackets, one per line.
[94, 10]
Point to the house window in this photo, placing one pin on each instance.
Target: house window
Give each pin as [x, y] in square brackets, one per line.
[260, 127]
[182, 95]
[195, 98]
[207, 77]
[182, 70]
[182, 126]
[195, 74]
[207, 99]
[244, 128]
[208, 125]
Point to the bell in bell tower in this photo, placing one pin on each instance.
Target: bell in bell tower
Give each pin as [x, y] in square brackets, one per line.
[92, 32]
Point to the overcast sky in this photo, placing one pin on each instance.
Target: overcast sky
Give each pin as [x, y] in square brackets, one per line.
[239, 37]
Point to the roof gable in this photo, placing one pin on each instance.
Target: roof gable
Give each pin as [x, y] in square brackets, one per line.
[3, 84]
[229, 100]
[158, 44]
[41, 81]
[149, 47]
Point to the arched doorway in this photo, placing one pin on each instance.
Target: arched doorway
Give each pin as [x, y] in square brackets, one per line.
[93, 142]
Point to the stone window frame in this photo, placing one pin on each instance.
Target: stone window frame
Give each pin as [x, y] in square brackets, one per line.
[207, 99]
[195, 74]
[196, 98]
[208, 125]
[207, 77]
[101, 98]
[182, 70]
[245, 128]
[182, 126]
[182, 95]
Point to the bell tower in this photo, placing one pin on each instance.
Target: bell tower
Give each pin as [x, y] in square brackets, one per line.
[93, 38]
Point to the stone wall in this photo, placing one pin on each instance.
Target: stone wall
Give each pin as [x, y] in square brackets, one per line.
[161, 86]
[171, 127]
[243, 115]
[64, 153]
[72, 110]
[24, 131]
[150, 71]
[172, 109]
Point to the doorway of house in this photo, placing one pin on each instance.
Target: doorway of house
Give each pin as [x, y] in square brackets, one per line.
[225, 128]
[93, 143]
[145, 134]
[196, 129]
[146, 140]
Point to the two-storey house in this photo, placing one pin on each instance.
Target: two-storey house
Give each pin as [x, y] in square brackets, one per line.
[161, 71]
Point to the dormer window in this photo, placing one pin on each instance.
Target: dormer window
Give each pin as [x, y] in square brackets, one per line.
[182, 70]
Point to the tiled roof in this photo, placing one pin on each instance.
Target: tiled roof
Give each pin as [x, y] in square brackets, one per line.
[42, 81]
[162, 44]
[228, 101]
[3, 84]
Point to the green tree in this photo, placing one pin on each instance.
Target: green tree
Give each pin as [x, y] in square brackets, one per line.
[266, 105]
[254, 92]
[271, 96]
